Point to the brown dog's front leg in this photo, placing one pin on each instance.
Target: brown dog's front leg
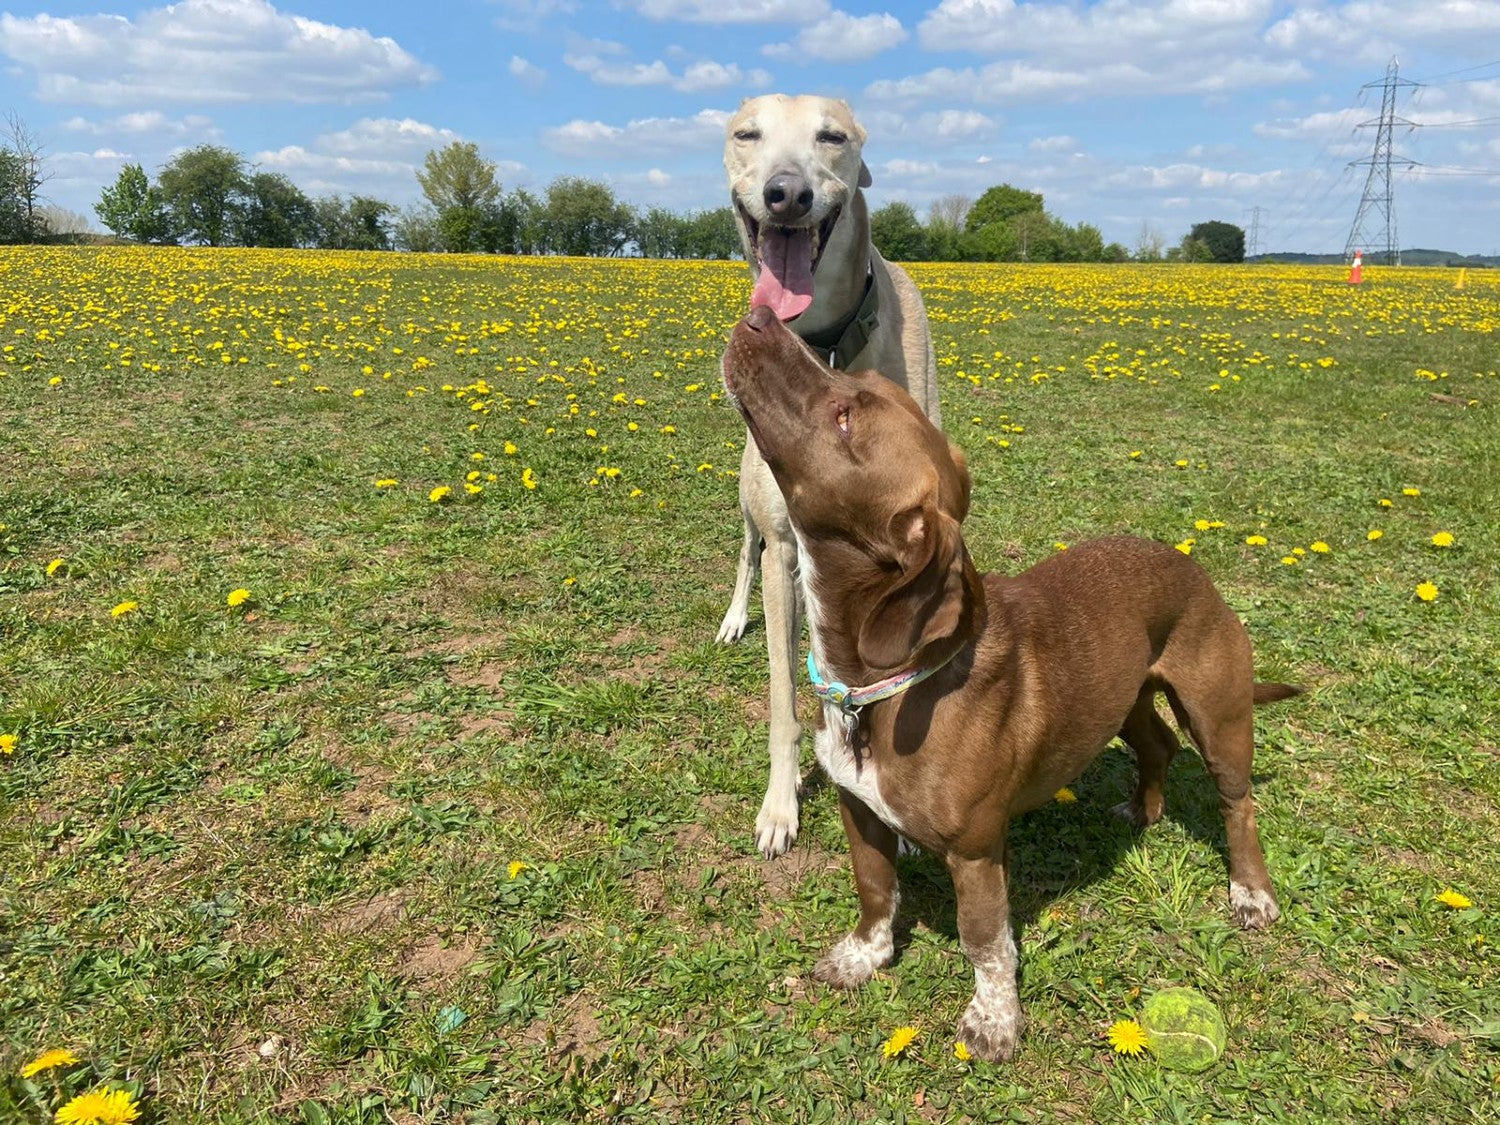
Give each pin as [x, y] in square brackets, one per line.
[991, 1025]
[871, 944]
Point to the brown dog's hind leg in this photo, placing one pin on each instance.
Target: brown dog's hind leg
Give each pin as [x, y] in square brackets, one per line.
[1155, 745]
[871, 944]
[1221, 725]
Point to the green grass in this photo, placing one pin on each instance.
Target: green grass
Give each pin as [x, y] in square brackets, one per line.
[257, 861]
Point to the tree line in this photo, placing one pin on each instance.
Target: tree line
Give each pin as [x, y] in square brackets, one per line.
[211, 196]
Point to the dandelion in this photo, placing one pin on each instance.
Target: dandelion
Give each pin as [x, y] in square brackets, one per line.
[1373, 534]
[473, 489]
[1135, 454]
[1427, 591]
[1384, 502]
[528, 478]
[900, 1039]
[387, 482]
[1288, 560]
[1059, 545]
[1065, 796]
[1443, 539]
[48, 1060]
[1411, 492]
[516, 867]
[1186, 546]
[123, 608]
[99, 1107]
[55, 565]
[1320, 548]
[1452, 899]
[8, 746]
[1126, 1037]
[961, 1051]
[439, 494]
[1255, 540]
[237, 597]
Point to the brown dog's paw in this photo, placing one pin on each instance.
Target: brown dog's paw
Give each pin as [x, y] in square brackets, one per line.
[1254, 909]
[852, 962]
[991, 1033]
[1136, 816]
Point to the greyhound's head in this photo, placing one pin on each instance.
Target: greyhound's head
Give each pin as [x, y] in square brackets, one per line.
[794, 167]
[875, 492]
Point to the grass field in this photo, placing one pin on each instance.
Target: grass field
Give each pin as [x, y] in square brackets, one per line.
[449, 817]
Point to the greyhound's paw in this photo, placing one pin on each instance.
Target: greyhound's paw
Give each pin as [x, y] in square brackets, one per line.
[853, 960]
[1254, 909]
[776, 826]
[991, 1031]
[733, 627]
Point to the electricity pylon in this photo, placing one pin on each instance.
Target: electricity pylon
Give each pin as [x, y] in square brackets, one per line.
[1379, 199]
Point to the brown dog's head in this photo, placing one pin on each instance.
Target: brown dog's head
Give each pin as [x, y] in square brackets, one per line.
[875, 491]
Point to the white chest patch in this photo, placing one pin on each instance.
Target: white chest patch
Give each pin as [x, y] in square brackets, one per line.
[849, 773]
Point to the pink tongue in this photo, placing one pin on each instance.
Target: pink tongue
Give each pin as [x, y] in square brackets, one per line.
[785, 284]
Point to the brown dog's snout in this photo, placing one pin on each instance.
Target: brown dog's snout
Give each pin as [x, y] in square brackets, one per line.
[788, 196]
[760, 318]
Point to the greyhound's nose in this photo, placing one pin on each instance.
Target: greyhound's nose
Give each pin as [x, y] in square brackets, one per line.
[788, 196]
[760, 318]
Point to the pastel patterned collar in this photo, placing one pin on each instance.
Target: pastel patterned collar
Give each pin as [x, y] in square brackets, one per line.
[851, 700]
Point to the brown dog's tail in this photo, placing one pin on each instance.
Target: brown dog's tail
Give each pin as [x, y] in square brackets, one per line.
[1274, 693]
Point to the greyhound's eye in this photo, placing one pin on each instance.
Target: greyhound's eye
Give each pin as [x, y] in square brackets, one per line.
[831, 137]
[747, 134]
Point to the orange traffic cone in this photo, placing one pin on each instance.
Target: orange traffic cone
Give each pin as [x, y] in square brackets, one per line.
[1356, 270]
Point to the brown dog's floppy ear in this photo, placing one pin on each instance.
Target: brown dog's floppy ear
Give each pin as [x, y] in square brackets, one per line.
[864, 175]
[928, 601]
[966, 484]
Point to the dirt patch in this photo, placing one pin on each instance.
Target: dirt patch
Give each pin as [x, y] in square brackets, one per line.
[570, 1030]
[435, 961]
[378, 913]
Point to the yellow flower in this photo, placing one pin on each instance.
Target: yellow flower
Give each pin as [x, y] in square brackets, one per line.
[8, 746]
[123, 608]
[387, 482]
[1289, 560]
[237, 597]
[1385, 503]
[528, 478]
[99, 1107]
[1135, 454]
[1320, 548]
[47, 1059]
[900, 1040]
[1452, 898]
[961, 1051]
[1411, 492]
[510, 449]
[1443, 539]
[439, 494]
[1427, 591]
[1186, 546]
[1255, 540]
[1059, 546]
[1065, 796]
[1126, 1037]
[1374, 534]
[55, 565]
[516, 867]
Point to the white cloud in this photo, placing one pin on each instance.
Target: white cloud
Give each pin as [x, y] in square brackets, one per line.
[527, 72]
[388, 135]
[643, 139]
[696, 78]
[1372, 29]
[1064, 144]
[146, 123]
[743, 11]
[840, 37]
[222, 51]
[939, 127]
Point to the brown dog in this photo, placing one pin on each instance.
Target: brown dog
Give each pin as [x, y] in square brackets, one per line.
[1005, 688]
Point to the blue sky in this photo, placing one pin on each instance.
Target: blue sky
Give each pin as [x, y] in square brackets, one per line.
[1135, 115]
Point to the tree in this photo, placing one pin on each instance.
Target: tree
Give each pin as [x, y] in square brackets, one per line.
[945, 227]
[583, 217]
[133, 208]
[1223, 242]
[24, 176]
[204, 188]
[416, 230]
[1000, 203]
[898, 234]
[275, 212]
[659, 234]
[530, 217]
[461, 186]
[1148, 244]
[712, 234]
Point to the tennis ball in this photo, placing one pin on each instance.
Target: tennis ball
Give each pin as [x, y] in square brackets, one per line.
[1183, 1029]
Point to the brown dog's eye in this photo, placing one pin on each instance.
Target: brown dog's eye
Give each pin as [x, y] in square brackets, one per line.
[841, 419]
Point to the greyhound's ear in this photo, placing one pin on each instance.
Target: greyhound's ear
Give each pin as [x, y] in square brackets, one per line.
[928, 602]
[864, 175]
